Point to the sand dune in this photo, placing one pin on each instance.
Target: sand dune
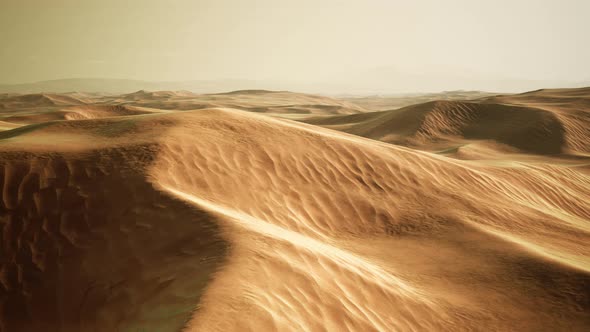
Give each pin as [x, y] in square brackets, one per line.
[38, 108]
[508, 123]
[373, 199]
[119, 220]
[143, 95]
[570, 106]
[38, 100]
[97, 112]
[446, 123]
[389, 102]
[260, 101]
[89, 245]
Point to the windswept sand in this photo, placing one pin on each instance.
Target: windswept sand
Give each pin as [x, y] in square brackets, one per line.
[545, 122]
[220, 219]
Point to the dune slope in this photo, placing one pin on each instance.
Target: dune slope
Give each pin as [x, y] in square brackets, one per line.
[545, 123]
[88, 244]
[333, 231]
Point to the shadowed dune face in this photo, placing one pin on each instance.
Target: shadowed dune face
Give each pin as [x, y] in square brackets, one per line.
[260, 101]
[570, 106]
[444, 124]
[118, 222]
[89, 245]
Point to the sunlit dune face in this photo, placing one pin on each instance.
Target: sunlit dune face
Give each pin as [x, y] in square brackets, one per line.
[335, 271]
[296, 217]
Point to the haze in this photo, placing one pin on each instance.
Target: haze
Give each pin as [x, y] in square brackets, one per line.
[337, 45]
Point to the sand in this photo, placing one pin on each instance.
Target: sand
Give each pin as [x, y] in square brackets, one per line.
[233, 217]
[545, 122]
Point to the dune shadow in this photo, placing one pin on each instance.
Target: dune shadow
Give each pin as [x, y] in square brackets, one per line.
[529, 129]
[88, 244]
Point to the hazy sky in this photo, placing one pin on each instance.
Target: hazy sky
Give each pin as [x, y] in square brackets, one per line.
[292, 39]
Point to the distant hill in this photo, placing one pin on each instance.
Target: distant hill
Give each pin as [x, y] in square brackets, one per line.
[23, 109]
[120, 86]
[383, 82]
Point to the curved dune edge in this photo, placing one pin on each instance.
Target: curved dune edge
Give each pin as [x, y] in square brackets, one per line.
[97, 112]
[88, 244]
[432, 225]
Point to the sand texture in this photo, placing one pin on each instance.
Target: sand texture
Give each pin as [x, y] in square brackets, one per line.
[276, 211]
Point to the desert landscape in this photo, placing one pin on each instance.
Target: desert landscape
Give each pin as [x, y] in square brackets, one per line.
[259, 210]
[294, 166]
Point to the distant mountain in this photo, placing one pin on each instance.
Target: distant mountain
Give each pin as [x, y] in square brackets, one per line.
[378, 81]
[391, 80]
[76, 84]
[120, 86]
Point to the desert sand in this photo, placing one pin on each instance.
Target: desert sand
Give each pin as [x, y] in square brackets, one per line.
[277, 211]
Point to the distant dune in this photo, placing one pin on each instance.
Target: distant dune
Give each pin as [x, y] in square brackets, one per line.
[37, 100]
[34, 108]
[177, 211]
[542, 122]
[389, 102]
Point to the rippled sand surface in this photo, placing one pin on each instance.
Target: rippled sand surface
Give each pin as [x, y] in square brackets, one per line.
[441, 216]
